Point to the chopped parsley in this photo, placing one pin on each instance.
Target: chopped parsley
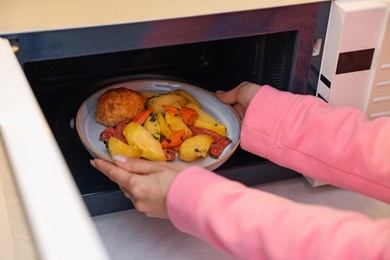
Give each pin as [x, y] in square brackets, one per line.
[152, 118]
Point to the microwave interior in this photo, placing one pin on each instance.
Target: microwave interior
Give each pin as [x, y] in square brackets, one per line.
[61, 85]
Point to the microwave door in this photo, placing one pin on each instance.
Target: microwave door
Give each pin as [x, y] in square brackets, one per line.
[59, 221]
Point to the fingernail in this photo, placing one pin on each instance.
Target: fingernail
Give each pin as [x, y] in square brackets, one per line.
[119, 158]
[219, 91]
[92, 162]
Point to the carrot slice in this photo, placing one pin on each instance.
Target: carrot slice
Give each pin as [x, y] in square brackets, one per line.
[175, 140]
[171, 110]
[142, 116]
[189, 115]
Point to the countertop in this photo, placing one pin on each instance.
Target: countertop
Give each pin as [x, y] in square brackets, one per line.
[132, 235]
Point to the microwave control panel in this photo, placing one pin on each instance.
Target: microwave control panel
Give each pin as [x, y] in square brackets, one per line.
[378, 101]
[356, 61]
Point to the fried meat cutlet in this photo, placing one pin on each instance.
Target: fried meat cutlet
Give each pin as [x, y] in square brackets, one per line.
[119, 105]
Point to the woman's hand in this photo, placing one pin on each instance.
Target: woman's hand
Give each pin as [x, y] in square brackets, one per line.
[144, 182]
[239, 97]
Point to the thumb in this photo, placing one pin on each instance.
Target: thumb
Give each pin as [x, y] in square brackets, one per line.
[229, 97]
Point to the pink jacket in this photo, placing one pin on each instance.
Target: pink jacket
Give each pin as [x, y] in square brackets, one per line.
[336, 145]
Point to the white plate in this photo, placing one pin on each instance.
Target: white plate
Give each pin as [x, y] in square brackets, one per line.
[89, 130]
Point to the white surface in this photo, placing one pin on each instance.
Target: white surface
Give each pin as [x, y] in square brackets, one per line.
[40, 15]
[361, 23]
[131, 235]
[380, 69]
[353, 26]
[349, 89]
[89, 130]
[52, 201]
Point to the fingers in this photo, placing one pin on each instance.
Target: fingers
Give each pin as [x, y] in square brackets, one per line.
[229, 97]
[146, 191]
[144, 167]
[247, 92]
[138, 166]
[232, 96]
[241, 94]
[116, 174]
[240, 110]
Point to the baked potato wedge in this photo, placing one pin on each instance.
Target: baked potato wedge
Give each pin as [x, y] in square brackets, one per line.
[176, 123]
[152, 125]
[194, 147]
[151, 94]
[156, 103]
[206, 121]
[164, 127]
[136, 135]
[116, 146]
[188, 96]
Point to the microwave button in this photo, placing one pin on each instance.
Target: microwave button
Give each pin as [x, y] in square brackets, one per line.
[385, 66]
[379, 114]
[381, 99]
[383, 83]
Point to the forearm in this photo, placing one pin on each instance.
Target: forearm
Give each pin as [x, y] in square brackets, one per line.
[251, 224]
[336, 145]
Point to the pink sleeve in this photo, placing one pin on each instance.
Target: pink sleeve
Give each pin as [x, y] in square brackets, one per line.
[336, 145]
[251, 224]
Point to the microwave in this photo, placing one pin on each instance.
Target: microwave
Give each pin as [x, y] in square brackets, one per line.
[335, 50]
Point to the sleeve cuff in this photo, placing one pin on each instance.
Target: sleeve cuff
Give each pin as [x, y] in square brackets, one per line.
[273, 107]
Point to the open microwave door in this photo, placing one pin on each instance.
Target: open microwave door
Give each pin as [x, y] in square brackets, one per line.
[58, 219]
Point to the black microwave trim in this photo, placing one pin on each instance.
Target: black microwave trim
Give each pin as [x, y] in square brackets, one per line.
[304, 18]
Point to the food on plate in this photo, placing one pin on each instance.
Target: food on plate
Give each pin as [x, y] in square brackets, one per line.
[150, 94]
[142, 116]
[169, 126]
[219, 142]
[218, 146]
[164, 127]
[155, 103]
[189, 115]
[115, 131]
[206, 121]
[152, 126]
[116, 146]
[136, 135]
[174, 140]
[188, 96]
[194, 147]
[119, 105]
[176, 123]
